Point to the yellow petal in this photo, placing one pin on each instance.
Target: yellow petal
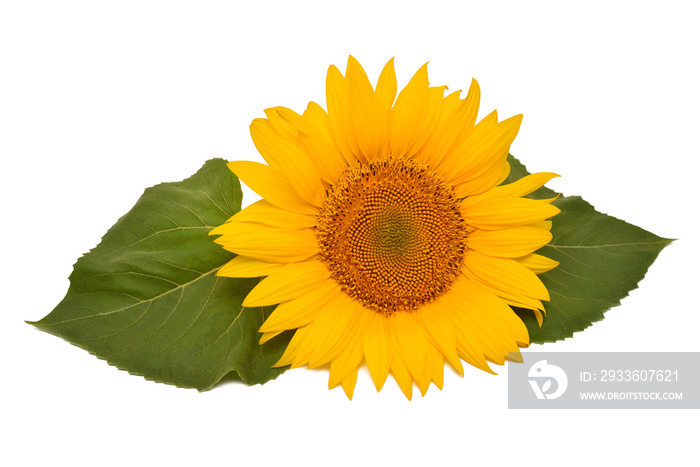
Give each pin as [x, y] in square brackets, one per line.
[473, 345]
[268, 335]
[519, 188]
[454, 125]
[441, 332]
[486, 326]
[292, 349]
[547, 225]
[292, 281]
[511, 243]
[336, 101]
[471, 102]
[346, 362]
[430, 119]
[349, 384]
[435, 364]
[386, 88]
[271, 185]
[481, 150]
[402, 375]
[290, 160]
[506, 276]
[486, 181]
[329, 334]
[492, 315]
[243, 266]
[488, 121]
[470, 350]
[410, 344]
[538, 316]
[499, 213]
[537, 263]
[302, 310]
[523, 302]
[285, 122]
[366, 123]
[525, 185]
[377, 348]
[265, 212]
[317, 140]
[312, 133]
[267, 243]
[504, 174]
[408, 114]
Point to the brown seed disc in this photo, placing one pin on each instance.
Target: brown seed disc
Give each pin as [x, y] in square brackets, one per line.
[392, 234]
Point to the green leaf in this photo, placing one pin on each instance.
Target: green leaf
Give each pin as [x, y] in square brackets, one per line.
[147, 298]
[601, 259]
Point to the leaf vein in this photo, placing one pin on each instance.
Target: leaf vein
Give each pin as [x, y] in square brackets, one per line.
[139, 302]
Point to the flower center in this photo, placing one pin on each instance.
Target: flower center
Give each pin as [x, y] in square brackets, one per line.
[391, 233]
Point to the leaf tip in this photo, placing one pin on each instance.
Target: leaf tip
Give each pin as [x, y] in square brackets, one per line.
[36, 324]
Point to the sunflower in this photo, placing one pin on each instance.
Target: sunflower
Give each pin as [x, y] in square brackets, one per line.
[384, 232]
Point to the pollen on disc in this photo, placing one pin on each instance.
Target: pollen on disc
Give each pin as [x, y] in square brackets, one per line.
[392, 235]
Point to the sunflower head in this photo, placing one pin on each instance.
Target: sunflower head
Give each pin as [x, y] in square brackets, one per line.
[385, 234]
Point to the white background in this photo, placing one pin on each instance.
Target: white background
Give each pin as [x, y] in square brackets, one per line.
[99, 100]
